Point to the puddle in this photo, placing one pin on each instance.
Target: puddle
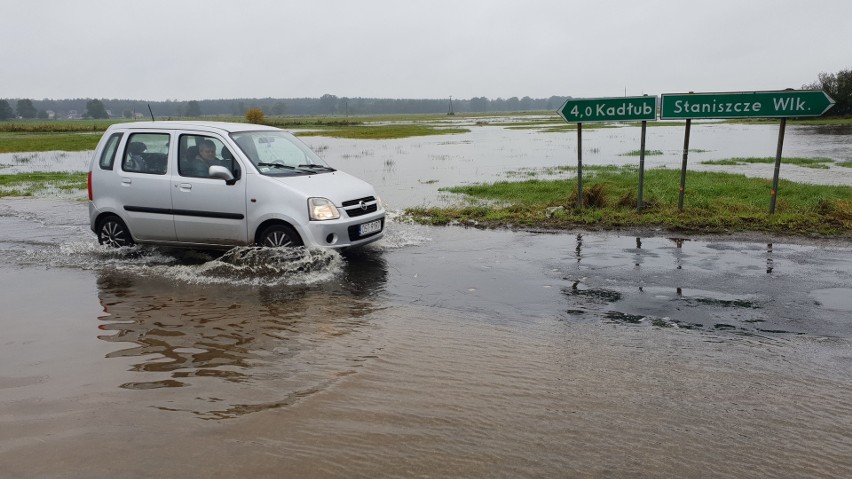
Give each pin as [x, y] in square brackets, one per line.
[31, 162]
[836, 299]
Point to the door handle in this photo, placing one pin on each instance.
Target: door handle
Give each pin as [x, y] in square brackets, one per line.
[126, 181]
[185, 186]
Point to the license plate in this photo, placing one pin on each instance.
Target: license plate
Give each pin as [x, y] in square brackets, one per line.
[371, 227]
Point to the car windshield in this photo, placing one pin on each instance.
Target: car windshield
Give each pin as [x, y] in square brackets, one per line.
[278, 153]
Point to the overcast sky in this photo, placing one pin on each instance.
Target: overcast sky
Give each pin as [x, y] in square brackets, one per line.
[208, 49]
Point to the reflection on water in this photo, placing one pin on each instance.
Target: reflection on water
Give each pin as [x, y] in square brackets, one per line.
[279, 342]
[694, 285]
[828, 130]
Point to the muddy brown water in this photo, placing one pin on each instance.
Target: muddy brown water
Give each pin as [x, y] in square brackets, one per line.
[437, 352]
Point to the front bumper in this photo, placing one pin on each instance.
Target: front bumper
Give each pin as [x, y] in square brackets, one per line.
[345, 232]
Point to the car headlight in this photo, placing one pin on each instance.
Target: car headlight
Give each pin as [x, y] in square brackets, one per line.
[320, 209]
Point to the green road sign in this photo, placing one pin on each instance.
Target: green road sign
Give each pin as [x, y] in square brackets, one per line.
[759, 104]
[628, 108]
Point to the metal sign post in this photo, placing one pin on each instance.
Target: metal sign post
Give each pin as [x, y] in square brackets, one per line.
[641, 166]
[774, 192]
[579, 165]
[683, 164]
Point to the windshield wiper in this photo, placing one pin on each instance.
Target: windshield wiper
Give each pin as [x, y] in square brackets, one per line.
[277, 165]
[317, 167]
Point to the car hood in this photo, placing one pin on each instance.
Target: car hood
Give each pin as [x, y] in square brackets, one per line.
[337, 186]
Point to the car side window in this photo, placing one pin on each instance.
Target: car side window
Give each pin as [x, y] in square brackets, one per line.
[108, 155]
[197, 153]
[146, 153]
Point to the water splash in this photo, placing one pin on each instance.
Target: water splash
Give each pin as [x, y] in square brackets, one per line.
[249, 266]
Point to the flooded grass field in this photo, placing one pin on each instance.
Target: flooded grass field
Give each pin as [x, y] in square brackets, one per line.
[439, 352]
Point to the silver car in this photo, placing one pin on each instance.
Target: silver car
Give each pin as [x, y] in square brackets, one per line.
[218, 185]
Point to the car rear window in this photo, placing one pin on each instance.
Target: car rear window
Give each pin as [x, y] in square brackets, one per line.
[108, 155]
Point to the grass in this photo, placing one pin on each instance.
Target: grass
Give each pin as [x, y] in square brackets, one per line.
[713, 203]
[639, 152]
[56, 126]
[83, 135]
[845, 164]
[20, 142]
[29, 184]
[816, 163]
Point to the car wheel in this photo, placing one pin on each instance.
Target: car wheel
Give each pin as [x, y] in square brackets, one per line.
[113, 232]
[277, 236]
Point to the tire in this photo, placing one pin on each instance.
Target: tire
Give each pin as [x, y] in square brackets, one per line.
[113, 232]
[277, 236]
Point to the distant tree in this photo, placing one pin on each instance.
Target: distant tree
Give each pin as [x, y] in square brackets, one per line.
[42, 115]
[279, 108]
[555, 102]
[25, 109]
[839, 87]
[127, 114]
[479, 104]
[95, 109]
[254, 115]
[193, 109]
[6, 111]
[328, 103]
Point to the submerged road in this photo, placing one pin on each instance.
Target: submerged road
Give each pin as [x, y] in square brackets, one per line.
[442, 352]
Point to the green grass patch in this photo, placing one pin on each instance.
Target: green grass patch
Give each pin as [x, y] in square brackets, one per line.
[845, 164]
[57, 126]
[382, 132]
[291, 123]
[29, 184]
[639, 152]
[816, 163]
[18, 142]
[713, 203]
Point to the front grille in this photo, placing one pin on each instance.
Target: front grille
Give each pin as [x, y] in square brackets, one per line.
[353, 207]
[359, 211]
[366, 199]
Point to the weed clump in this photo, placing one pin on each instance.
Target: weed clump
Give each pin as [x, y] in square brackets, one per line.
[593, 197]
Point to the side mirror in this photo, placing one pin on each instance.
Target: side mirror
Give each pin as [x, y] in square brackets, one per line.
[222, 173]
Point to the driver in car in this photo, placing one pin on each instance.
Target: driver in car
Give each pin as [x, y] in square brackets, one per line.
[206, 157]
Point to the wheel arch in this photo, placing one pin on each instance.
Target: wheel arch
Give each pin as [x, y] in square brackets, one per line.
[274, 221]
[103, 218]
[99, 221]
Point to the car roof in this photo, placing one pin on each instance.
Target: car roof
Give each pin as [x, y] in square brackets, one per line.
[220, 126]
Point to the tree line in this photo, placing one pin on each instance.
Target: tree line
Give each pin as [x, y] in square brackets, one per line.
[837, 85]
[326, 105]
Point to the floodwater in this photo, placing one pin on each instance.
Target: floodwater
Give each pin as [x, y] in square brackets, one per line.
[410, 171]
[436, 352]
